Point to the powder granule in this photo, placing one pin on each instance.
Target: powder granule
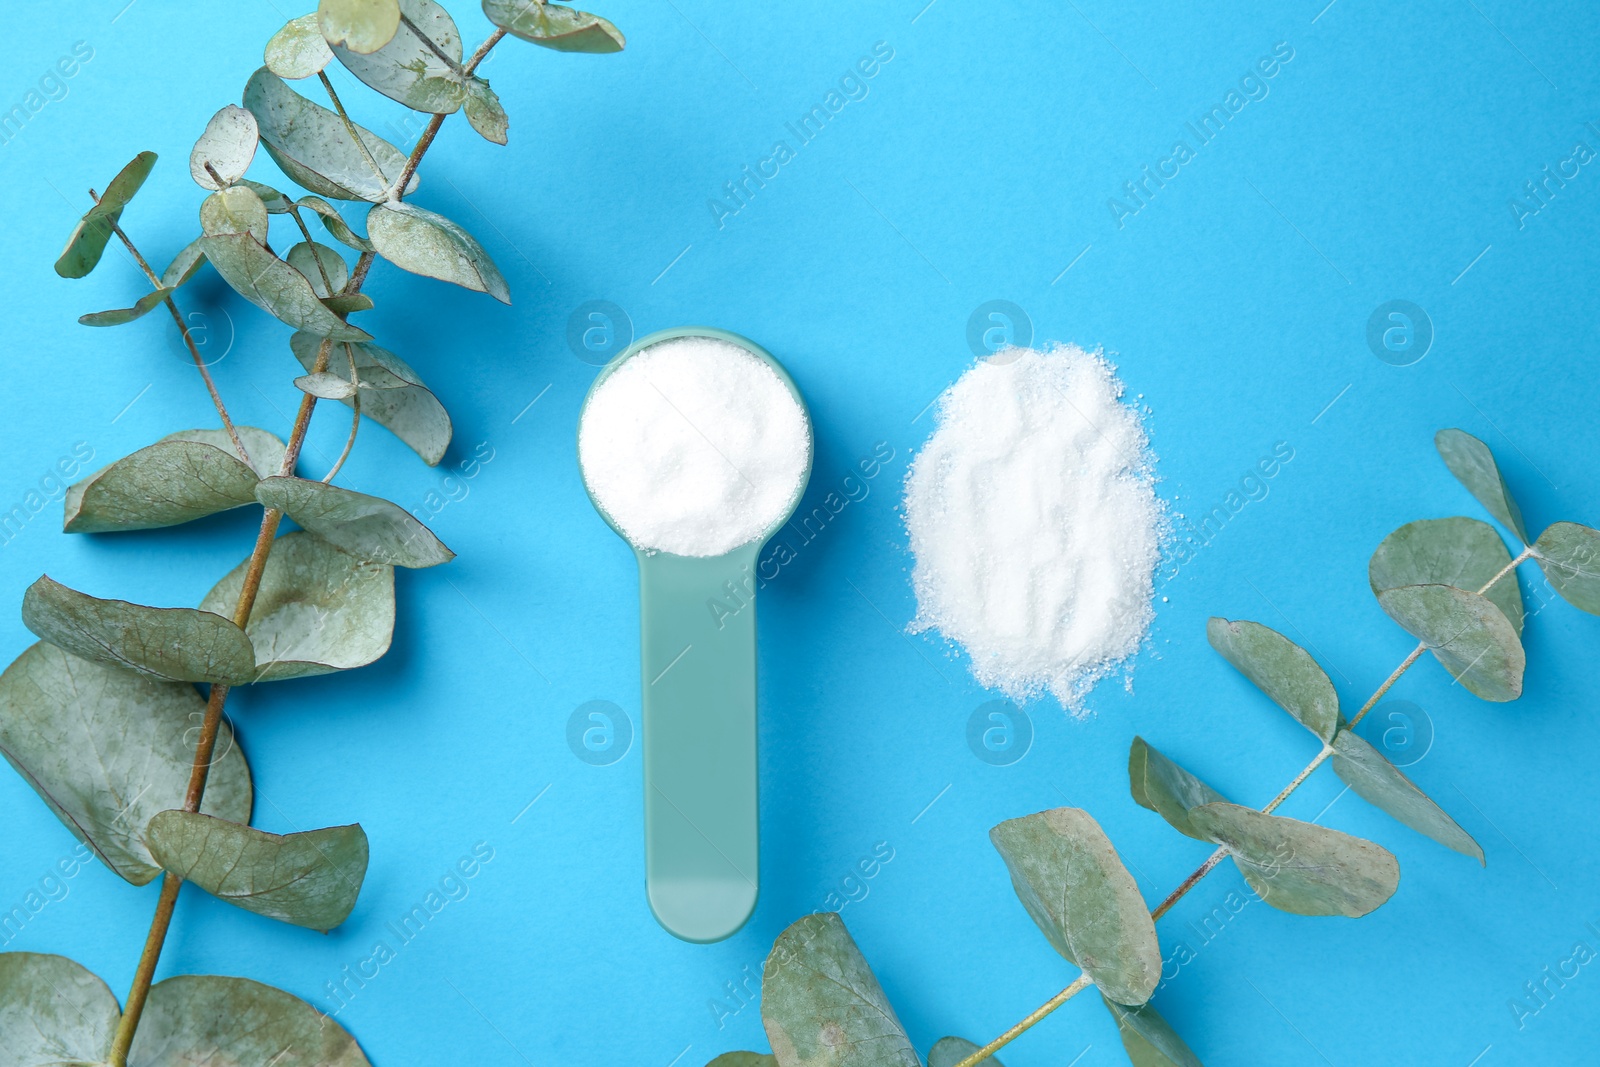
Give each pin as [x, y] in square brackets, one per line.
[694, 446]
[1035, 524]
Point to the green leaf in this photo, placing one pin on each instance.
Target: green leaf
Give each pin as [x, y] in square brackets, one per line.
[1364, 769]
[210, 1021]
[360, 25]
[309, 879]
[950, 1051]
[184, 265]
[1465, 553]
[88, 241]
[107, 749]
[409, 410]
[298, 50]
[1166, 788]
[1466, 632]
[422, 73]
[1148, 1039]
[553, 26]
[313, 147]
[276, 202]
[1570, 556]
[1470, 460]
[274, 286]
[744, 1059]
[237, 209]
[335, 224]
[308, 257]
[1075, 888]
[1300, 867]
[181, 477]
[347, 303]
[53, 1012]
[485, 113]
[118, 316]
[319, 609]
[1281, 669]
[822, 1005]
[227, 146]
[325, 386]
[368, 527]
[431, 245]
[177, 644]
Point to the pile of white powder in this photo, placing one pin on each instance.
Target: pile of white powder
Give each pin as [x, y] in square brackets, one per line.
[694, 446]
[1035, 524]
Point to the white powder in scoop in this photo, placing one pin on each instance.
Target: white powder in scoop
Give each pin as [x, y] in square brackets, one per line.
[694, 447]
[1035, 524]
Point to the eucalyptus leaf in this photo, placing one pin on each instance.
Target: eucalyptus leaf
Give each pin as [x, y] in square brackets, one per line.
[275, 287]
[276, 202]
[227, 146]
[1364, 769]
[1466, 632]
[236, 209]
[368, 527]
[1075, 888]
[361, 25]
[1281, 669]
[409, 410]
[485, 112]
[1570, 556]
[177, 644]
[181, 477]
[1166, 788]
[1465, 553]
[88, 240]
[313, 147]
[347, 303]
[325, 386]
[211, 1021]
[308, 257]
[1300, 867]
[117, 317]
[184, 265]
[1148, 1039]
[949, 1051]
[1470, 460]
[823, 1007]
[564, 29]
[422, 72]
[107, 749]
[298, 50]
[744, 1059]
[310, 879]
[335, 224]
[424, 243]
[318, 610]
[53, 1012]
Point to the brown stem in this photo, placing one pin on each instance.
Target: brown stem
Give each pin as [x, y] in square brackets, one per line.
[1220, 854]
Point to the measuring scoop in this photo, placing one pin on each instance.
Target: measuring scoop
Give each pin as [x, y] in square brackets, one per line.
[697, 645]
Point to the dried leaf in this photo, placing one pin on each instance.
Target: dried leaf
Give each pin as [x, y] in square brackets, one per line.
[822, 1005]
[318, 610]
[1166, 788]
[1465, 553]
[423, 73]
[1466, 632]
[1570, 556]
[1470, 460]
[276, 202]
[410, 411]
[236, 209]
[347, 303]
[428, 244]
[88, 241]
[1380, 782]
[325, 386]
[949, 1051]
[361, 25]
[227, 146]
[313, 147]
[744, 1059]
[310, 879]
[564, 29]
[107, 749]
[53, 1012]
[485, 112]
[298, 50]
[118, 316]
[335, 223]
[1075, 888]
[368, 527]
[1281, 669]
[177, 644]
[1148, 1039]
[234, 1022]
[316, 262]
[275, 287]
[184, 265]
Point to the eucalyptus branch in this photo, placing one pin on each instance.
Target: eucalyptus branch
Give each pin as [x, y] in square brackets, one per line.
[1194, 879]
[432, 129]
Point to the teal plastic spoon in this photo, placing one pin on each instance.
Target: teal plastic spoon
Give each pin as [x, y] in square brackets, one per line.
[698, 676]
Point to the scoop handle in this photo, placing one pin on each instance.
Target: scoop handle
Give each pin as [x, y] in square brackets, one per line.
[698, 666]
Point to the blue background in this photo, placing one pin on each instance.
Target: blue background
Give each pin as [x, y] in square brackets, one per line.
[1380, 166]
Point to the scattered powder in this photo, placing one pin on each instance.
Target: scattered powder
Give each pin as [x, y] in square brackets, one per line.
[694, 447]
[1035, 524]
